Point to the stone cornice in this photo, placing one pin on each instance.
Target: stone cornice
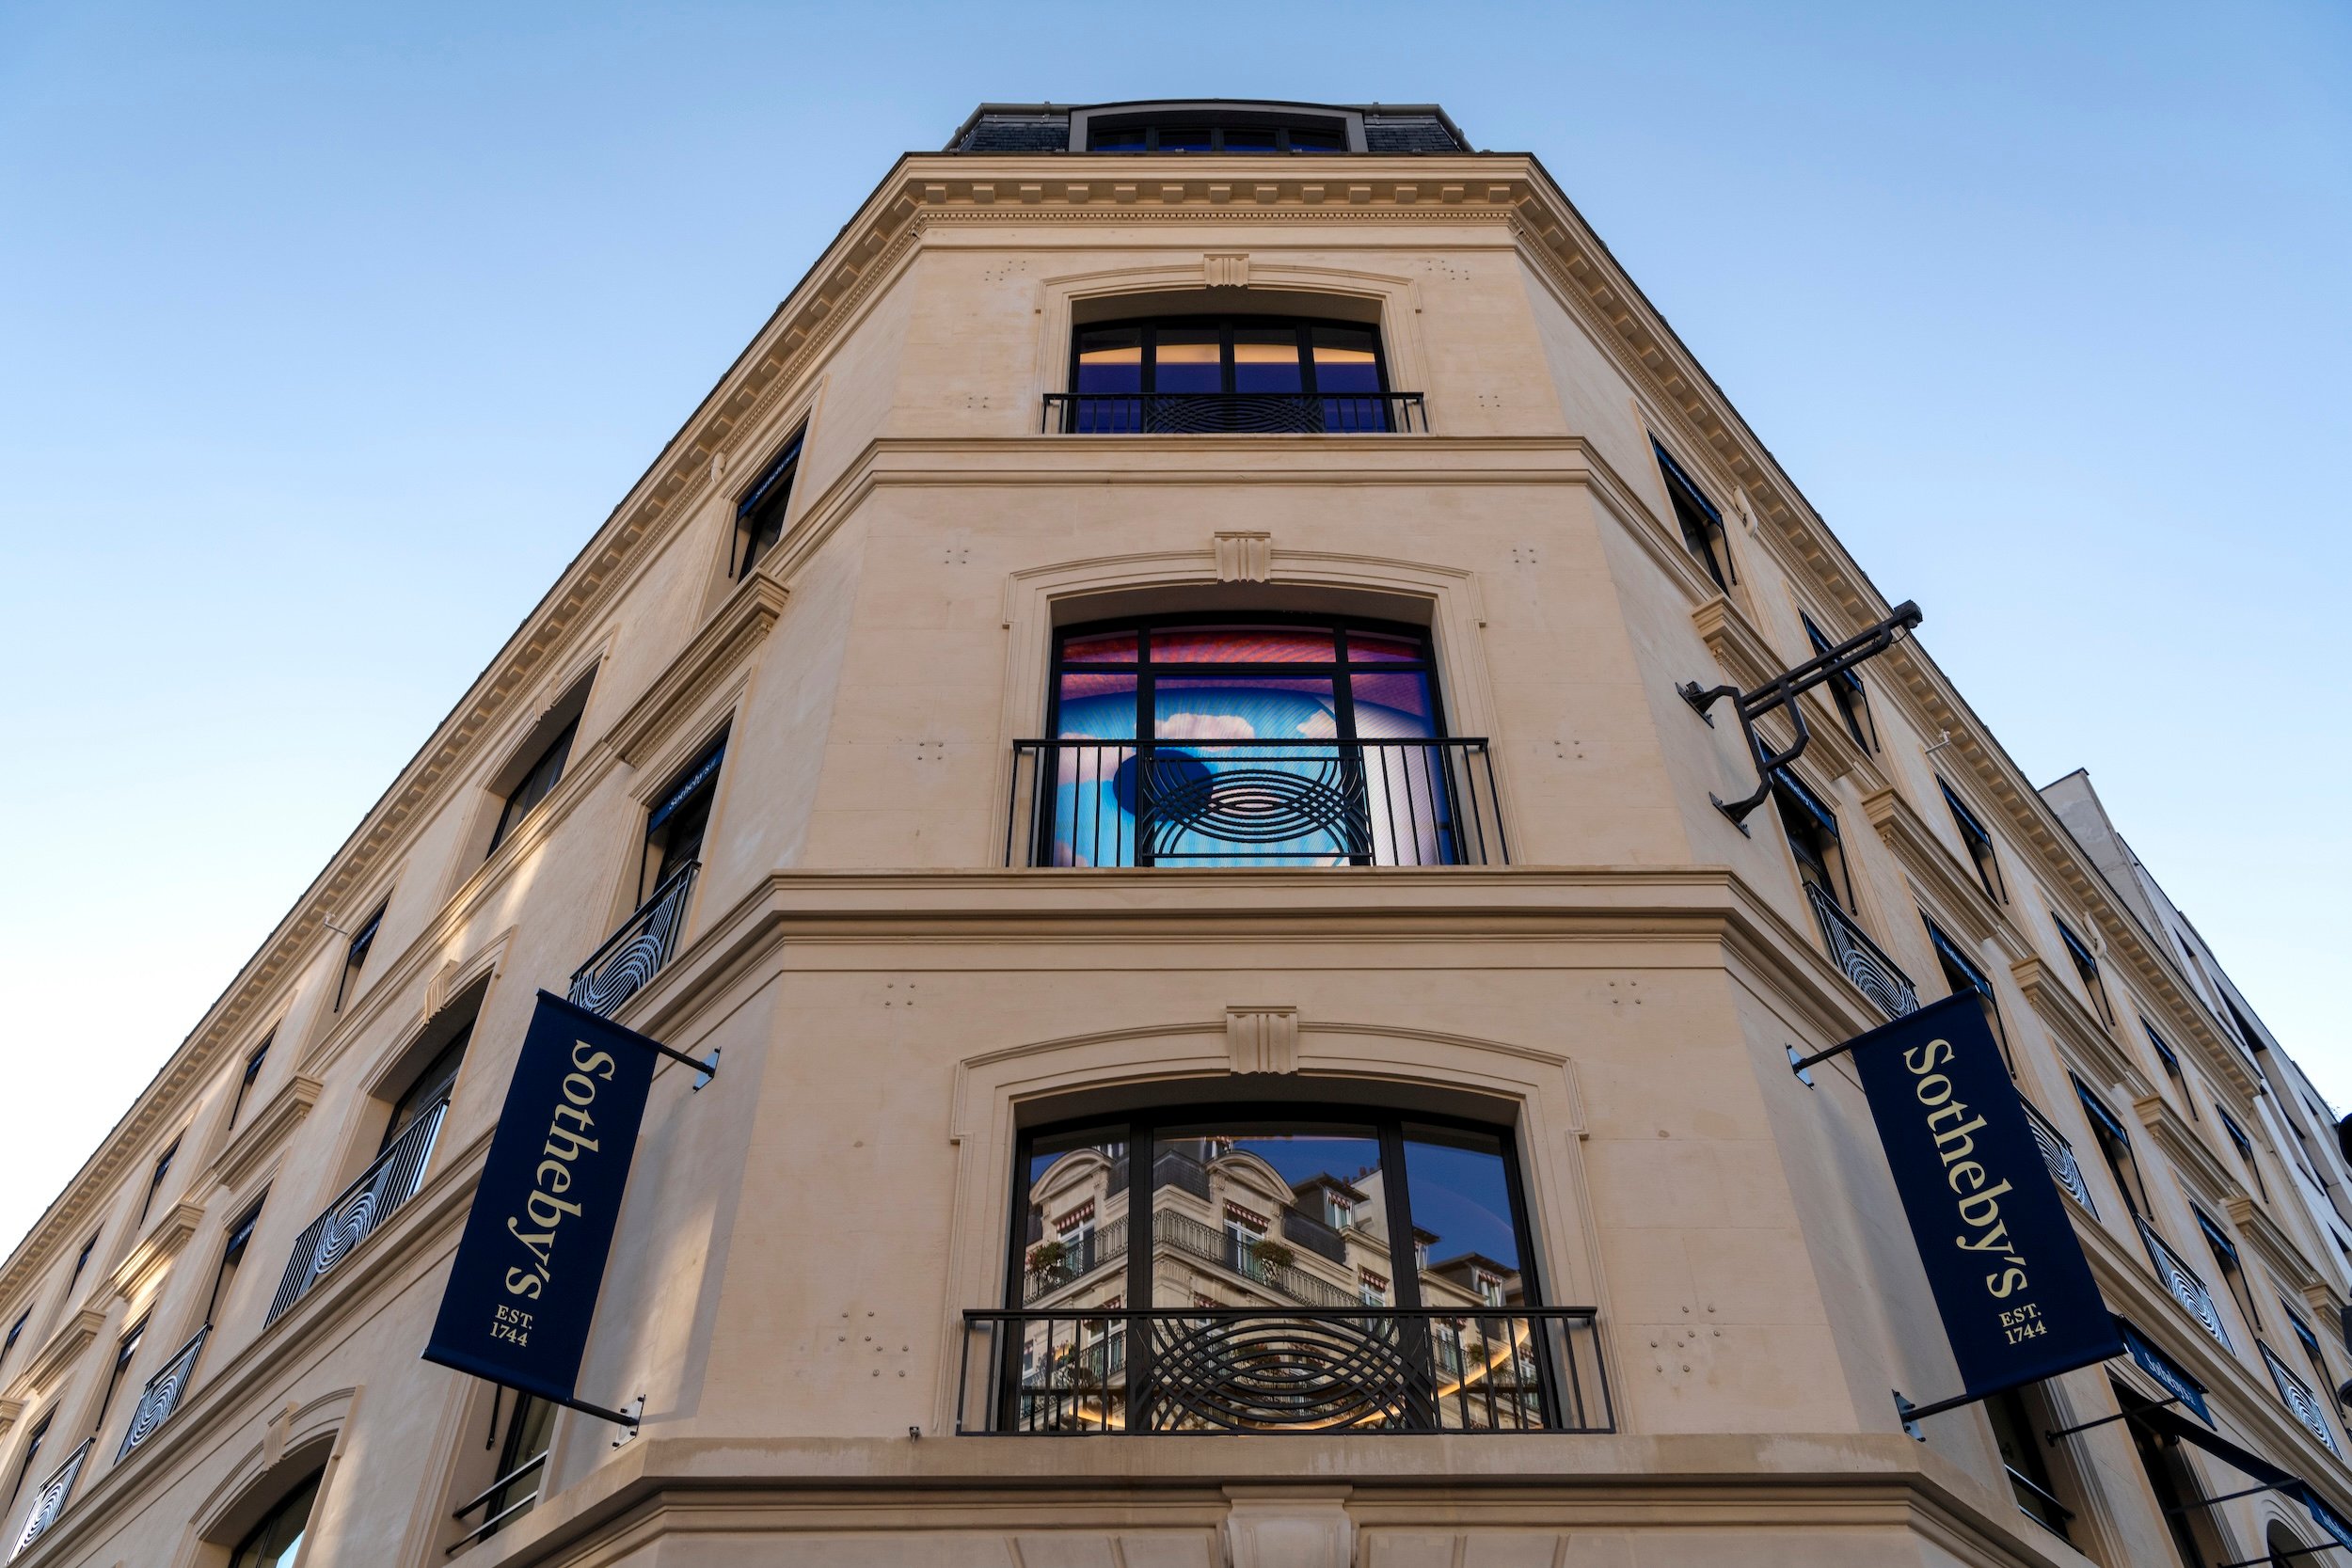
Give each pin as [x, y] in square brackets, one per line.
[2285, 1260]
[1746, 659]
[144, 1265]
[2213, 1182]
[271, 1126]
[2079, 1035]
[42, 1373]
[721, 644]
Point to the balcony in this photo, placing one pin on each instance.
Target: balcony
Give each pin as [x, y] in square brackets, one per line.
[1107, 804]
[1087, 1372]
[634, 953]
[2059, 1156]
[2183, 1282]
[1233, 413]
[2301, 1400]
[161, 1396]
[1872, 971]
[391, 1181]
[49, 1501]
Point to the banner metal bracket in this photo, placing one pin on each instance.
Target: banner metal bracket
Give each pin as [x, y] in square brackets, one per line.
[1912, 1414]
[2068, 1431]
[2275, 1557]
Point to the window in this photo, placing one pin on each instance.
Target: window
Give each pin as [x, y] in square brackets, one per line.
[1702, 525]
[32, 1453]
[544, 773]
[1229, 131]
[2116, 1145]
[277, 1541]
[2179, 1501]
[81, 1262]
[232, 1260]
[252, 1071]
[2086, 969]
[1812, 830]
[1979, 843]
[1961, 973]
[674, 830]
[2024, 1455]
[356, 956]
[1305, 743]
[2225, 1258]
[155, 1181]
[523, 1469]
[429, 1089]
[2245, 1147]
[1846, 691]
[2303, 1335]
[1181, 374]
[16, 1332]
[759, 513]
[125, 1348]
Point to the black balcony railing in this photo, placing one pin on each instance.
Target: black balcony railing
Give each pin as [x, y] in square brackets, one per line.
[1872, 971]
[1082, 1370]
[1253, 802]
[49, 1501]
[1233, 413]
[391, 1181]
[635, 952]
[161, 1396]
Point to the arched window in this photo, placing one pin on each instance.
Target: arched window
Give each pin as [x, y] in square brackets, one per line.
[1282, 1267]
[277, 1541]
[1181, 374]
[1195, 741]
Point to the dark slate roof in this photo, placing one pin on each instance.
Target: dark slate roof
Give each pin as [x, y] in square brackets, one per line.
[1045, 127]
[1409, 133]
[1015, 133]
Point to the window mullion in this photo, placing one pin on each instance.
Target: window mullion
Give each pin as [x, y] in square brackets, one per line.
[1403, 1257]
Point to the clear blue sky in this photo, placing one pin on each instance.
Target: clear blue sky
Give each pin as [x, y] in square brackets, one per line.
[328, 333]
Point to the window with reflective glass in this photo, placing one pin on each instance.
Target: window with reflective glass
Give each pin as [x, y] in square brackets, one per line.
[356, 956]
[428, 1088]
[759, 511]
[277, 1541]
[1979, 843]
[1242, 373]
[1813, 841]
[1961, 973]
[537, 782]
[1201, 133]
[1702, 525]
[1846, 691]
[675, 827]
[252, 1071]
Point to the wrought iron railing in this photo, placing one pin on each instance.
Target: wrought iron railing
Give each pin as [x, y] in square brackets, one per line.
[2058, 1155]
[1872, 971]
[634, 953]
[2299, 1398]
[503, 1501]
[161, 1396]
[1253, 802]
[1233, 413]
[1082, 1371]
[49, 1501]
[391, 1181]
[2183, 1282]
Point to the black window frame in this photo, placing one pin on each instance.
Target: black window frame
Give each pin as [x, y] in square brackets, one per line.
[2086, 969]
[1977, 840]
[1962, 972]
[1225, 322]
[537, 782]
[759, 511]
[81, 1259]
[126, 1351]
[2245, 1147]
[433, 1082]
[355, 955]
[155, 1179]
[1284, 128]
[1806, 821]
[1704, 533]
[2225, 1257]
[235, 1242]
[32, 1453]
[693, 788]
[253, 1063]
[2115, 1145]
[1846, 691]
[16, 1332]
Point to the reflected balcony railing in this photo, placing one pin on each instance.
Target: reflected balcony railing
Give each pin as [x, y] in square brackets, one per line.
[1234, 414]
[50, 1499]
[1066, 1261]
[391, 1181]
[1872, 971]
[2058, 1155]
[2300, 1399]
[1081, 1371]
[161, 1396]
[1107, 804]
[634, 954]
[2182, 1281]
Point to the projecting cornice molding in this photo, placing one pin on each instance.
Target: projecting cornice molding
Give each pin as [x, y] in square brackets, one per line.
[42, 1373]
[2079, 1035]
[2260, 1233]
[270, 1127]
[1955, 899]
[2207, 1174]
[701, 668]
[140, 1273]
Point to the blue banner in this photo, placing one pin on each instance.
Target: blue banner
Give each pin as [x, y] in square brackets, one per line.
[2166, 1371]
[2010, 1281]
[524, 1291]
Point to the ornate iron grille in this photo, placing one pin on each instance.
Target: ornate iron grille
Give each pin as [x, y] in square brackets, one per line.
[1086, 1370]
[50, 1501]
[1872, 971]
[1254, 803]
[2059, 1156]
[366, 1204]
[2183, 1282]
[635, 952]
[161, 1396]
[1233, 413]
[2299, 1398]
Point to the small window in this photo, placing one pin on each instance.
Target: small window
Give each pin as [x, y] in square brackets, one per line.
[538, 781]
[2087, 969]
[2225, 1258]
[1979, 843]
[232, 1260]
[252, 1071]
[277, 1541]
[429, 1089]
[1192, 132]
[1846, 691]
[523, 1469]
[81, 1262]
[2311, 1353]
[1813, 840]
[759, 514]
[2025, 1456]
[356, 956]
[32, 1454]
[2245, 1147]
[126, 1349]
[155, 1180]
[2115, 1144]
[16, 1332]
[1702, 524]
[674, 827]
[1961, 973]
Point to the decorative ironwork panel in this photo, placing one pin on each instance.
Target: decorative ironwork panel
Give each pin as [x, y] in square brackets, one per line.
[1239, 1369]
[634, 954]
[1234, 413]
[2300, 1399]
[2059, 1156]
[161, 1396]
[1872, 971]
[49, 1501]
[366, 1204]
[1244, 802]
[2183, 1282]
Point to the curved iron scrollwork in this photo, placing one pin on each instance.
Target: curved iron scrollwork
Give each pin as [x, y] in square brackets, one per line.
[1264, 1375]
[1872, 971]
[634, 954]
[50, 1501]
[161, 1396]
[1254, 801]
[353, 1217]
[1233, 413]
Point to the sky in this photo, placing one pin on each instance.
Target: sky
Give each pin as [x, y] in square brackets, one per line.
[328, 334]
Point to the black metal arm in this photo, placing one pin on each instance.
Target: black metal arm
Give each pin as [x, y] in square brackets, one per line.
[1784, 689]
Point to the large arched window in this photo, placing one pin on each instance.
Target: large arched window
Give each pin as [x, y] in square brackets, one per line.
[1196, 741]
[1282, 1267]
[1179, 374]
[277, 1541]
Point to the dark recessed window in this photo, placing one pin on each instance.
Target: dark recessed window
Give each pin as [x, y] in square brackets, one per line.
[2086, 969]
[1702, 524]
[759, 511]
[1236, 374]
[2165, 1053]
[1961, 973]
[2225, 1258]
[16, 1332]
[125, 1350]
[81, 1262]
[231, 1259]
[545, 773]
[680, 817]
[429, 1089]
[1185, 133]
[2115, 1143]
[277, 1541]
[2245, 1147]
[2310, 1341]
[356, 956]
[155, 1180]
[1846, 691]
[1813, 840]
[2025, 1456]
[252, 1071]
[522, 1465]
[1979, 843]
[32, 1453]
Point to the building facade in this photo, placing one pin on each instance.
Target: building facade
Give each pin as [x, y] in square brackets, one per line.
[1141, 721]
